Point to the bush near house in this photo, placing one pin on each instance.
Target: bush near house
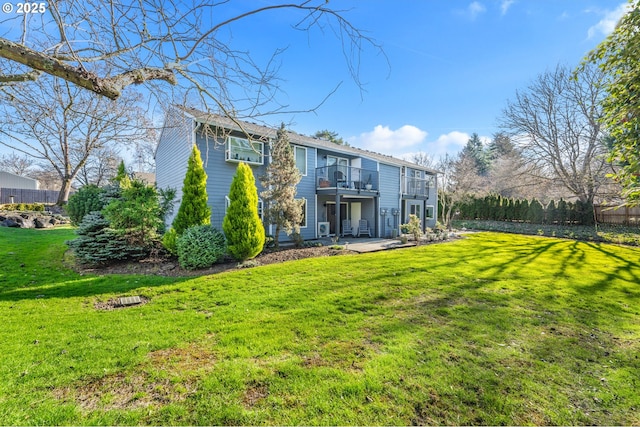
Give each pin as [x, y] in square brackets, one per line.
[242, 225]
[200, 246]
[193, 209]
[125, 227]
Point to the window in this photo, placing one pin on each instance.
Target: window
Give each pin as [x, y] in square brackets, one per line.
[300, 154]
[243, 150]
[303, 223]
[429, 212]
[415, 210]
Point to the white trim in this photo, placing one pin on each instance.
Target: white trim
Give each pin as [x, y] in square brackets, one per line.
[231, 157]
[306, 161]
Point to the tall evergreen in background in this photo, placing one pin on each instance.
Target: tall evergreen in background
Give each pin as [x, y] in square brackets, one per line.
[280, 180]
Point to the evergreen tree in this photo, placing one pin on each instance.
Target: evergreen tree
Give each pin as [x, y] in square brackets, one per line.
[475, 150]
[563, 212]
[536, 212]
[551, 213]
[281, 178]
[330, 136]
[193, 207]
[136, 214]
[524, 210]
[242, 225]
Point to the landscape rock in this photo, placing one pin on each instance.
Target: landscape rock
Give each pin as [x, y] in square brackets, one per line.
[30, 219]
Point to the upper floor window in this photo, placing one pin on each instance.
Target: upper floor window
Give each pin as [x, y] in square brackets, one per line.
[300, 154]
[243, 150]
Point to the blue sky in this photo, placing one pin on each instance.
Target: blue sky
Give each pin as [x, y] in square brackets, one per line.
[449, 65]
[452, 65]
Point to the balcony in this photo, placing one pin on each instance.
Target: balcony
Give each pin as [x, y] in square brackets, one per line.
[416, 187]
[347, 178]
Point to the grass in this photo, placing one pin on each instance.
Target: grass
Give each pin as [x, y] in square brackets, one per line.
[491, 329]
[606, 233]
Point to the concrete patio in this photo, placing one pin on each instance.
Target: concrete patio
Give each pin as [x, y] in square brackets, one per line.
[367, 244]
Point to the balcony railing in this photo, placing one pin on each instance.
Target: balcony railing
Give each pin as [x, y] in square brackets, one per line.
[416, 186]
[347, 177]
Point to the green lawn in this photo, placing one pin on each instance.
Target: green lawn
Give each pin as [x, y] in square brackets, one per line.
[491, 329]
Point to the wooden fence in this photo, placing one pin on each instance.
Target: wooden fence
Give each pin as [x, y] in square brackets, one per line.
[613, 215]
[18, 195]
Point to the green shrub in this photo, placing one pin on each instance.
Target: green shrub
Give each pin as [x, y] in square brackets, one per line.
[242, 225]
[200, 246]
[170, 241]
[35, 207]
[98, 245]
[136, 214]
[193, 209]
[86, 199]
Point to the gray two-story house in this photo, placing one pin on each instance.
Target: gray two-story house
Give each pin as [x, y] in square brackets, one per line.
[341, 185]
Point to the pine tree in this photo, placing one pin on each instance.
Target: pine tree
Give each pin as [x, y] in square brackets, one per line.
[281, 178]
[193, 207]
[242, 225]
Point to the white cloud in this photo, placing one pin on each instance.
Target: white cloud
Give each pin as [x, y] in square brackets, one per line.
[475, 9]
[450, 143]
[387, 141]
[608, 23]
[408, 140]
[505, 5]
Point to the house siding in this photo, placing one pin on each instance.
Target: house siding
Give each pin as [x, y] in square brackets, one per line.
[220, 174]
[172, 155]
[179, 134]
[9, 180]
[389, 197]
[307, 189]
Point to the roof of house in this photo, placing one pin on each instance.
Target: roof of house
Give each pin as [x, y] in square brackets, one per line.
[295, 138]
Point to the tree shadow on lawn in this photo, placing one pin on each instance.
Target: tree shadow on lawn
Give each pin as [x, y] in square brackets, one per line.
[70, 285]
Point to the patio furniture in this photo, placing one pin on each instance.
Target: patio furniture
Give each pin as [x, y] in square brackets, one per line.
[363, 228]
[346, 228]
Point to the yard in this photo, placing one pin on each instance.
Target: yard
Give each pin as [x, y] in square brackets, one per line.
[490, 329]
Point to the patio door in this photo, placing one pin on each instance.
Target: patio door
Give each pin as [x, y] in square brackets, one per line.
[414, 208]
[331, 217]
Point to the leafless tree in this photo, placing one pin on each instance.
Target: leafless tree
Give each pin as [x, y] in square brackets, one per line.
[423, 159]
[100, 166]
[18, 165]
[459, 181]
[555, 123]
[105, 46]
[60, 124]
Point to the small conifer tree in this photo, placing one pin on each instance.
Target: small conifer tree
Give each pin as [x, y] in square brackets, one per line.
[281, 178]
[242, 225]
[193, 208]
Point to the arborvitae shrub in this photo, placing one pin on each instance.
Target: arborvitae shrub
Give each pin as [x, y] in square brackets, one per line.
[87, 199]
[193, 209]
[551, 213]
[200, 246]
[536, 212]
[242, 225]
[562, 212]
